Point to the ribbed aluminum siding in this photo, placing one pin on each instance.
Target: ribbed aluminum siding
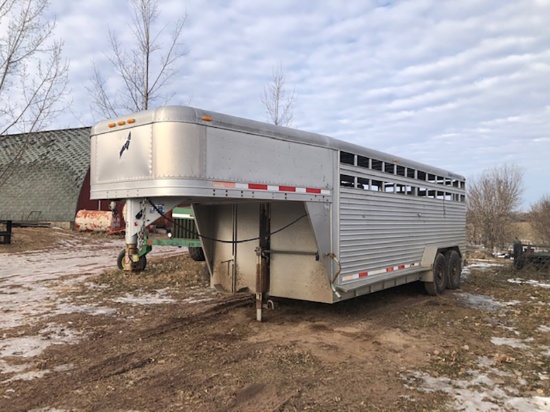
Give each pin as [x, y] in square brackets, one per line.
[380, 230]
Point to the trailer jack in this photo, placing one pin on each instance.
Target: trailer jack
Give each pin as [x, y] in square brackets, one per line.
[262, 271]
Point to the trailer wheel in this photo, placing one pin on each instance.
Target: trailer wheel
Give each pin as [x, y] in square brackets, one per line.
[197, 254]
[121, 263]
[454, 269]
[438, 285]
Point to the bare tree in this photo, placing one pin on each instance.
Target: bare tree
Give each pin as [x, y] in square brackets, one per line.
[33, 75]
[144, 67]
[279, 106]
[539, 217]
[491, 201]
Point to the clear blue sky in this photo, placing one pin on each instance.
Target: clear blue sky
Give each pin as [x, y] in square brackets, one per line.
[462, 85]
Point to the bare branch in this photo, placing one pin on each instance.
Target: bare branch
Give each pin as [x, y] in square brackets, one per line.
[492, 199]
[175, 51]
[278, 106]
[539, 218]
[33, 75]
[143, 71]
[101, 102]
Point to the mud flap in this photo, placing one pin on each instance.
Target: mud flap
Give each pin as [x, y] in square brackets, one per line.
[427, 262]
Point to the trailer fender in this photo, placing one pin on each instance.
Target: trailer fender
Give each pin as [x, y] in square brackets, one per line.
[427, 262]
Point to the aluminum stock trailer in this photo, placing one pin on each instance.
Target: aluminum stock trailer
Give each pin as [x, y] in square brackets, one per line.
[282, 212]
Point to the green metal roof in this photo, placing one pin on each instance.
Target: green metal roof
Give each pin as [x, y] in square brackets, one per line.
[41, 174]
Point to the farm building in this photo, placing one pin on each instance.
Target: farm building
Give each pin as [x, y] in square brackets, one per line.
[44, 176]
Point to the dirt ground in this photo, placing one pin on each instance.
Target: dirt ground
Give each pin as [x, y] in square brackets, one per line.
[102, 340]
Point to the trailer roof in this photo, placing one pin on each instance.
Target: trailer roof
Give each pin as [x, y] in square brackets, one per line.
[186, 114]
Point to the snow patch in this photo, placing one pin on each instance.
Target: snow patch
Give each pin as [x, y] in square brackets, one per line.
[512, 342]
[466, 272]
[146, 299]
[88, 309]
[483, 302]
[34, 374]
[510, 329]
[7, 368]
[479, 394]
[31, 284]
[30, 346]
[483, 265]
[531, 282]
[195, 300]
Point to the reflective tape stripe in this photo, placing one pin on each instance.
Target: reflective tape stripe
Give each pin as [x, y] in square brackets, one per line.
[310, 190]
[378, 271]
[271, 188]
[255, 186]
[224, 184]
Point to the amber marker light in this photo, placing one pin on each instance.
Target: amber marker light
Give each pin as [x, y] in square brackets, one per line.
[112, 124]
[121, 123]
[130, 121]
[207, 118]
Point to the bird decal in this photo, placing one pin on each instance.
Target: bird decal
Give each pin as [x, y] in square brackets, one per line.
[126, 144]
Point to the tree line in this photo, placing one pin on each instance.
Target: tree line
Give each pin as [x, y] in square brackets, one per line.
[493, 201]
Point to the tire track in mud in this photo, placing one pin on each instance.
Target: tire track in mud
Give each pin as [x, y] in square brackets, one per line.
[202, 312]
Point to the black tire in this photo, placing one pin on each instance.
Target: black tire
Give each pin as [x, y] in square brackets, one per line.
[439, 284]
[454, 269]
[120, 259]
[142, 263]
[197, 254]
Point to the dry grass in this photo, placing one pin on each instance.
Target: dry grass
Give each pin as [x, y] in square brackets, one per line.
[176, 273]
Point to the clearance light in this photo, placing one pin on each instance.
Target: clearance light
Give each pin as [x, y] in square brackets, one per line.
[130, 121]
[112, 124]
[121, 123]
[394, 160]
[207, 118]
